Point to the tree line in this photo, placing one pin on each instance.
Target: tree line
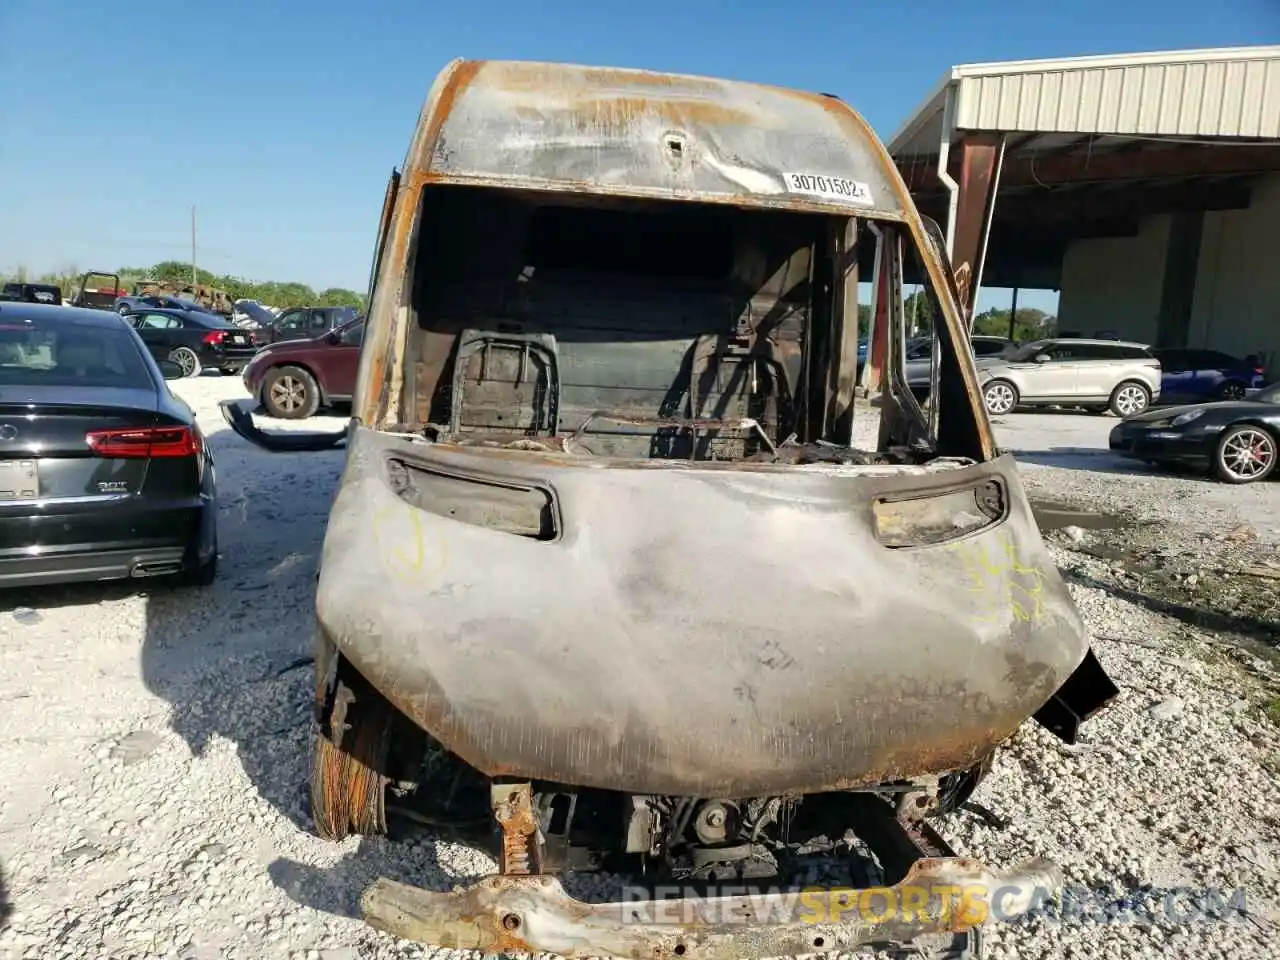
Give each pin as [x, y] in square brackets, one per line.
[1030, 323]
[272, 293]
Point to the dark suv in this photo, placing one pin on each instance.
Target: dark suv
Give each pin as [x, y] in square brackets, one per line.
[32, 292]
[303, 323]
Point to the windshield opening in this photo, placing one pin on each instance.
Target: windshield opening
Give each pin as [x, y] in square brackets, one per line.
[646, 330]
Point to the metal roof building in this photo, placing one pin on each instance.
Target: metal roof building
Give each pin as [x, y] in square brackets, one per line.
[1145, 187]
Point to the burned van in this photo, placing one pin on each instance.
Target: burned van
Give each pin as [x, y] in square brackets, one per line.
[623, 574]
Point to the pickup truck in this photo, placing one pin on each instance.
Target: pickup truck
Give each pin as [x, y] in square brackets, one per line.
[31, 292]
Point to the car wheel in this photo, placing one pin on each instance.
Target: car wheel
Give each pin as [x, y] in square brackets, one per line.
[1129, 399]
[1000, 397]
[199, 574]
[290, 393]
[1231, 390]
[186, 358]
[202, 575]
[123, 309]
[1245, 454]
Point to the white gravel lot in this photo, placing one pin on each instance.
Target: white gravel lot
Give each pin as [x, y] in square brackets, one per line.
[152, 784]
[1065, 455]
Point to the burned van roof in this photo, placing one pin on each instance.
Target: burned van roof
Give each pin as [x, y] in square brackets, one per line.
[636, 133]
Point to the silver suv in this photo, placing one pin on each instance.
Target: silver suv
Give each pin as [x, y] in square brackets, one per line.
[1098, 375]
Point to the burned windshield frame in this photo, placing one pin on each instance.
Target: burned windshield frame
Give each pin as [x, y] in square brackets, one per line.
[916, 330]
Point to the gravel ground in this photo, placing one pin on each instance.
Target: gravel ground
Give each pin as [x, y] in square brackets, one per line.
[151, 788]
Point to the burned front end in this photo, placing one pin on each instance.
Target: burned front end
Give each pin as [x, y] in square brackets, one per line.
[624, 574]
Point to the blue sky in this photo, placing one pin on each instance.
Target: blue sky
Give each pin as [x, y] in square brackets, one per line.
[281, 120]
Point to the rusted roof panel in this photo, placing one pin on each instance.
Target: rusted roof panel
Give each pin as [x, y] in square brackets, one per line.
[632, 132]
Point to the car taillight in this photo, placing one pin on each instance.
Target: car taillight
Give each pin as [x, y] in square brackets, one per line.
[144, 442]
[214, 338]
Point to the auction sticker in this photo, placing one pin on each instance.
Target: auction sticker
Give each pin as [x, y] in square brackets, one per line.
[829, 188]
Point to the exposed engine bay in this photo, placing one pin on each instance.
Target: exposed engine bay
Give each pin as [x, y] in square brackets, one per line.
[676, 838]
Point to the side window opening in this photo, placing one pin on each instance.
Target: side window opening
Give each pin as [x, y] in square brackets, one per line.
[935, 394]
[353, 335]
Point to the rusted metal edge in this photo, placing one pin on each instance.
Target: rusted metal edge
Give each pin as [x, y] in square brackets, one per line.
[762, 201]
[534, 914]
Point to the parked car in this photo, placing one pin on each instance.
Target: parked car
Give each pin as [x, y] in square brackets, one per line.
[132, 304]
[1192, 376]
[252, 315]
[302, 323]
[295, 378]
[104, 473]
[1098, 375]
[194, 340]
[920, 357]
[32, 292]
[1236, 440]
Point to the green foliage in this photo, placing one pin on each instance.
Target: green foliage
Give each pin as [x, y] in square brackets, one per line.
[1030, 324]
[919, 310]
[272, 293]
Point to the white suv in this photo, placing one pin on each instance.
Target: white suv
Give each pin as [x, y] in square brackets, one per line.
[1098, 375]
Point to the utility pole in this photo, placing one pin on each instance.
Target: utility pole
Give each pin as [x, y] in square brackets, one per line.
[193, 246]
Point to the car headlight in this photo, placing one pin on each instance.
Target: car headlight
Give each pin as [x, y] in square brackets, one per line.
[1187, 417]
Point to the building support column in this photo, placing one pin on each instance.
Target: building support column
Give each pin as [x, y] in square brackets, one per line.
[1013, 310]
[1178, 292]
[981, 157]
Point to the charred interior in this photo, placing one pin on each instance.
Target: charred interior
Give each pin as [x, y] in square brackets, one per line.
[638, 330]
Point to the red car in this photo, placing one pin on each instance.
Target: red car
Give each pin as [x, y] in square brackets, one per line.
[293, 379]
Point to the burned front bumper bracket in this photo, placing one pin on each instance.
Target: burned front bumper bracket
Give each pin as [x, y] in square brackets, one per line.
[534, 914]
[239, 417]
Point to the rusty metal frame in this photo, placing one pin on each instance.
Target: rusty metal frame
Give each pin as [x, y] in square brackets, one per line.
[521, 848]
[534, 915]
[872, 379]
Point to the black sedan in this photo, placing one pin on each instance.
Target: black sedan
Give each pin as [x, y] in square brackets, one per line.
[104, 473]
[194, 340]
[1235, 440]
